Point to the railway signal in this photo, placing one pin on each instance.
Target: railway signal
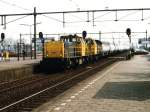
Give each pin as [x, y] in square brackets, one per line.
[2, 44]
[84, 33]
[42, 40]
[128, 31]
[40, 35]
[2, 36]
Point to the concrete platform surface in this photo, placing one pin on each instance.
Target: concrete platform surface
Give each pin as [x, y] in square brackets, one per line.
[13, 63]
[122, 87]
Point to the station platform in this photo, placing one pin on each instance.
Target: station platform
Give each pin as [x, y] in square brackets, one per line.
[121, 87]
[14, 63]
[14, 69]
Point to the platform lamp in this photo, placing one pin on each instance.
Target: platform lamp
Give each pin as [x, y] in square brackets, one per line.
[42, 41]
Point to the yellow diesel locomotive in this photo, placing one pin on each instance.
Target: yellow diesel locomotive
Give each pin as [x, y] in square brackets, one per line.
[70, 51]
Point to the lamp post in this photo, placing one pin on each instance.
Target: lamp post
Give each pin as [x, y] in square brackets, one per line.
[30, 26]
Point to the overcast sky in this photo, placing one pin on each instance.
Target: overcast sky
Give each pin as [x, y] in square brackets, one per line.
[51, 26]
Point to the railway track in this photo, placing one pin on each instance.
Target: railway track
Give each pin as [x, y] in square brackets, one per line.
[8, 84]
[35, 92]
[3, 82]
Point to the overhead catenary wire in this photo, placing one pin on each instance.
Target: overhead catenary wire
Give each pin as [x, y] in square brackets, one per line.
[20, 7]
[76, 22]
[102, 15]
[132, 13]
[146, 18]
[65, 12]
[77, 17]
[88, 18]
[52, 18]
[14, 5]
[16, 19]
[81, 11]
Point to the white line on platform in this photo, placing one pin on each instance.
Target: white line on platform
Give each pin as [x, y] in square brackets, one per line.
[76, 94]
[72, 97]
[82, 89]
[85, 87]
[63, 104]
[80, 92]
[88, 85]
[69, 100]
[95, 80]
[57, 108]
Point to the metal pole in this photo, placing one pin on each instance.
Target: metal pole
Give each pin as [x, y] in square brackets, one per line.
[30, 41]
[130, 43]
[63, 20]
[100, 35]
[129, 53]
[116, 19]
[88, 20]
[142, 15]
[93, 19]
[34, 32]
[20, 46]
[146, 39]
[43, 49]
[2, 21]
[114, 42]
[18, 51]
[2, 51]
[23, 51]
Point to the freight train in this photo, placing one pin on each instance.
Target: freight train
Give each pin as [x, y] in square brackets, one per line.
[72, 50]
